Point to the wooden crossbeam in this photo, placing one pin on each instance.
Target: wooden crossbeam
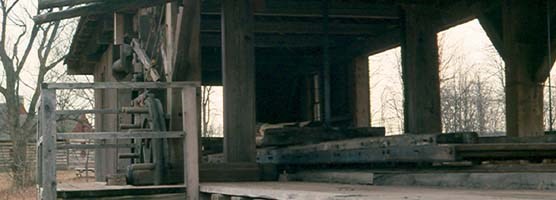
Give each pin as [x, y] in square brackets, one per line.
[118, 135]
[80, 112]
[121, 85]
[313, 9]
[46, 4]
[211, 26]
[96, 146]
[96, 8]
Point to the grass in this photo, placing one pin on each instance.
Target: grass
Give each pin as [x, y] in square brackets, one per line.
[7, 192]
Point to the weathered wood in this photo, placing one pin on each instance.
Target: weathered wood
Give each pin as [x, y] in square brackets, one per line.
[96, 146]
[118, 135]
[514, 139]
[47, 141]
[122, 85]
[361, 107]
[420, 73]
[46, 4]
[309, 135]
[229, 172]
[334, 176]
[80, 112]
[238, 70]
[293, 27]
[94, 9]
[359, 10]
[523, 58]
[119, 28]
[422, 153]
[98, 190]
[509, 151]
[145, 60]
[190, 109]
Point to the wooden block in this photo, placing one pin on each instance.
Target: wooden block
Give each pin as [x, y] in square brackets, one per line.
[226, 172]
[116, 179]
[310, 135]
[219, 197]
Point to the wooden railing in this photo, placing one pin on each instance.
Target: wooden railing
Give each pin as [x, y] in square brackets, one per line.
[47, 135]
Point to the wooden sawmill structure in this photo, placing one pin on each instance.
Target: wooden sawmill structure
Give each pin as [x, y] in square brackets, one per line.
[282, 61]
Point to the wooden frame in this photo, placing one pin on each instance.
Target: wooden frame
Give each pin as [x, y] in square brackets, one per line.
[47, 135]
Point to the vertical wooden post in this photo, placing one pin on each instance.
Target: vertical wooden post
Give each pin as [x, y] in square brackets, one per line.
[524, 56]
[48, 140]
[361, 108]
[238, 68]
[420, 73]
[190, 109]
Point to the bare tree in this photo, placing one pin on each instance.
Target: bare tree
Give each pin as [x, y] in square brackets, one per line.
[207, 110]
[17, 44]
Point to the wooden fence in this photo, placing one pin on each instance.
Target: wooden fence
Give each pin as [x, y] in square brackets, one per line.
[65, 159]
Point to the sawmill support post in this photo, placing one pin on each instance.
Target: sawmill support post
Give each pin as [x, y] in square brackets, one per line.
[527, 66]
[238, 70]
[420, 73]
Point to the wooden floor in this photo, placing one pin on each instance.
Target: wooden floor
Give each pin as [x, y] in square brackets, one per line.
[297, 190]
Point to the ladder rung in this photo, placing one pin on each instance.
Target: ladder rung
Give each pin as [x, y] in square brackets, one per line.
[119, 135]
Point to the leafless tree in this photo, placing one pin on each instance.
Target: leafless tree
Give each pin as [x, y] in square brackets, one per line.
[19, 41]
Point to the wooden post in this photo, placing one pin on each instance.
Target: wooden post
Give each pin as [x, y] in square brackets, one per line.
[238, 70]
[48, 141]
[190, 109]
[420, 73]
[361, 108]
[524, 47]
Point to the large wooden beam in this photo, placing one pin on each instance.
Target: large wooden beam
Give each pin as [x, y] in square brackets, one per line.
[95, 8]
[47, 144]
[239, 80]
[300, 27]
[313, 9]
[524, 53]
[420, 73]
[278, 40]
[360, 90]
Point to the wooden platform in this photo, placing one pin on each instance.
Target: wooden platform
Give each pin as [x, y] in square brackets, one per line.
[297, 191]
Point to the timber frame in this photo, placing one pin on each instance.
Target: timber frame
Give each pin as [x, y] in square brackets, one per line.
[47, 135]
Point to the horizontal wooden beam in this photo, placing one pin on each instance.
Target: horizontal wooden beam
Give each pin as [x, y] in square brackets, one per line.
[118, 135]
[95, 9]
[278, 40]
[96, 146]
[298, 27]
[121, 85]
[46, 4]
[80, 112]
[313, 9]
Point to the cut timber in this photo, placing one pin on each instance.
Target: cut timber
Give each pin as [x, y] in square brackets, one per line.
[309, 135]
[337, 176]
[513, 139]
[228, 172]
[508, 151]
[400, 148]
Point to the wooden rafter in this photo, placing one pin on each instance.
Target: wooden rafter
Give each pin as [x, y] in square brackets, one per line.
[94, 7]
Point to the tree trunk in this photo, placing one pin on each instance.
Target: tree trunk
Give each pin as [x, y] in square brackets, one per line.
[20, 169]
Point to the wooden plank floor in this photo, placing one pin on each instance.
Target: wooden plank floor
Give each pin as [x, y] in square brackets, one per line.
[318, 191]
[298, 191]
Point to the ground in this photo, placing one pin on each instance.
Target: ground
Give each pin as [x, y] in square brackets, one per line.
[9, 193]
